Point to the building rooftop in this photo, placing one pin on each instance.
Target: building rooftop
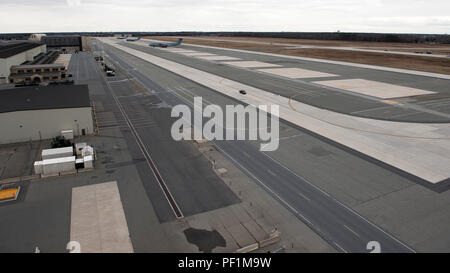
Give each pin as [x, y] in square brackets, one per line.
[61, 40]
[11, 48]
[44, 97]
[31, 66]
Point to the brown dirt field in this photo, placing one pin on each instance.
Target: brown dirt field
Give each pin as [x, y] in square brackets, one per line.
[325, 42]
[421, 63]
[429, 64]
[441, 51]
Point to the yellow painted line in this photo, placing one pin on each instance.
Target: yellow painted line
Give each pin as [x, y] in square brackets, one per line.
[8, 194]
[304, 196]
[390, 101]
[271, 173]
[352, 231]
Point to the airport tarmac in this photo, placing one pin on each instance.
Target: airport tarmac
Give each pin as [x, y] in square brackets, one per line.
[354, 191]
[417, 149]
[353, 201]
[268, 164]
[42, 216]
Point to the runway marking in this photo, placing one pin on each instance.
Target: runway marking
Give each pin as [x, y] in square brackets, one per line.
[357, 129]
[251, 64]
[116, 81]
[352, 231]
[371, 109]
[390, 102]
[289, 137]
[304, 196]
[283, 138]
[271, 173]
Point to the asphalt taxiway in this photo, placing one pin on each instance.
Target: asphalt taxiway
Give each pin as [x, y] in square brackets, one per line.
[348, 231]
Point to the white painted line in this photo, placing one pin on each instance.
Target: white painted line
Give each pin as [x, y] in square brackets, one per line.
[218, 58]
[251, 64]
[194, 54]
[182, 51]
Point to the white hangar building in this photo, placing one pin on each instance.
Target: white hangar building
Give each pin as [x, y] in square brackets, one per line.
[42, 112]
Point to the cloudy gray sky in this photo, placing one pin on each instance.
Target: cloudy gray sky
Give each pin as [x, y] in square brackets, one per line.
[405, 16]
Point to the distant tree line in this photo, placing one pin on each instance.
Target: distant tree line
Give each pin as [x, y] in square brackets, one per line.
[338, 36]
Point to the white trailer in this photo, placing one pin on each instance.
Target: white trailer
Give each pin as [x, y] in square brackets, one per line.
[58, 165]
[56, 153]
[38, 167]
[79, 148]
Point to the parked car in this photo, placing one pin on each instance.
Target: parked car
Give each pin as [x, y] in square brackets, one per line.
[243, 92]
[110, 73]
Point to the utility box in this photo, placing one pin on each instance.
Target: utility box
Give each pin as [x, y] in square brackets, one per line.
[88, 150]
[88, 162]
[58, 152]
[79, 148]
[57, 165]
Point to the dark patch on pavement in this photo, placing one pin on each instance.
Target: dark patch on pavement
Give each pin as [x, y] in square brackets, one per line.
[124, 164]
[205, 240]
[319, 151]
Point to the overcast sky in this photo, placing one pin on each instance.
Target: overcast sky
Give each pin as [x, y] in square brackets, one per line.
[400, 16]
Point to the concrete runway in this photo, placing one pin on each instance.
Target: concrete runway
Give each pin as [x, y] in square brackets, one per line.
[413, 109]
[338, 224]
[415, 148]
